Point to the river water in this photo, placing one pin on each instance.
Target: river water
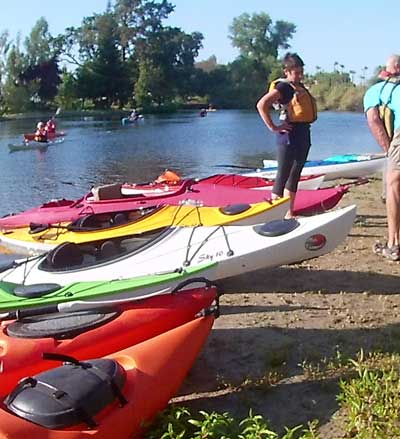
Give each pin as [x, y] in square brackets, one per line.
[102, 151]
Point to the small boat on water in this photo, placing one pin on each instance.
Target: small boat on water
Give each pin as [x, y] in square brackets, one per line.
[339, 166]
[129, 120]
[32, 144]
[31, 136]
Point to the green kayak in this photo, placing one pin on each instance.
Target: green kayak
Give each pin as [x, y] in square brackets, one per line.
[31, 144]
[87, 295]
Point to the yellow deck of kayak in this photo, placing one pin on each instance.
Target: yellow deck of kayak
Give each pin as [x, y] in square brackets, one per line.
[177, 216]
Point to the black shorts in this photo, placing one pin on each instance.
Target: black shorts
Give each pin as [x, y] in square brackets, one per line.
[291, 159]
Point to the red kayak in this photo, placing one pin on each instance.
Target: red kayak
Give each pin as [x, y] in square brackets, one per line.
[31, 136]
[242, 181]
[95, 333]
[307, 202]
[111, 397]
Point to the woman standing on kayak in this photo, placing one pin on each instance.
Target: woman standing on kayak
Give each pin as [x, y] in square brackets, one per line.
[297, 110]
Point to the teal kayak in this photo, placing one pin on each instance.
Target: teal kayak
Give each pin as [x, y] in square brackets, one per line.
[93, 294]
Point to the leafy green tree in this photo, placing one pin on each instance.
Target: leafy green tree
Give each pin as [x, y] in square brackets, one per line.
[38, 45]
[4, 48]
[169, 54]
[103, 77]
[67, 96]
[138, 18]
[17, 96]
[257, 37]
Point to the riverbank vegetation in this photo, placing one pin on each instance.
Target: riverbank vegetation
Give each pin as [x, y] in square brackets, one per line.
[128, 57]
[368, 398]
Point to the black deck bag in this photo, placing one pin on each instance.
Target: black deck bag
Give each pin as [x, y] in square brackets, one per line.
[68, 395]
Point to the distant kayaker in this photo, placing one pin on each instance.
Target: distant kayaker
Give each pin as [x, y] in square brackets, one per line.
[203, 112]
[51, 126]
[297, 110]
[134, 115]
[382, 108]
[41, 132]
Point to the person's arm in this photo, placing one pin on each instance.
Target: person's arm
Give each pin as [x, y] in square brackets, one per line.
[263, 108]
[377, 128]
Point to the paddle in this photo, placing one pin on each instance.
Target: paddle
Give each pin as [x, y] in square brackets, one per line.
[112, 305]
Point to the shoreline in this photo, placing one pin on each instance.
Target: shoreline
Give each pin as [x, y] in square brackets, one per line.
[275, 324]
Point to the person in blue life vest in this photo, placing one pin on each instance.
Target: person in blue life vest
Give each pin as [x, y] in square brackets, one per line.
[297, 111]
[382, 109]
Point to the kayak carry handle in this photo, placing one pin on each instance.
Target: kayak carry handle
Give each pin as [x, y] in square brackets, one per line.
[193, 280]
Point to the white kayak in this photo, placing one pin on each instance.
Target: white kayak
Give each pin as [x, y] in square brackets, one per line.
[32, 144]
[345, 166]
[237, 249]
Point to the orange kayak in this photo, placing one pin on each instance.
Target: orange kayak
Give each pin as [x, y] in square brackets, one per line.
[108, 397]
[92, 334]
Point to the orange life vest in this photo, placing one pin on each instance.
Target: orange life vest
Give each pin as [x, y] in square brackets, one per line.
[302, 107]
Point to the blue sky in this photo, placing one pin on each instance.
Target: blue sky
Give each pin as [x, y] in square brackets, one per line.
[354, 33]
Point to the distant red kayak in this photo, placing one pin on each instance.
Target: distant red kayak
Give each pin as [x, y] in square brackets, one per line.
[31, 136]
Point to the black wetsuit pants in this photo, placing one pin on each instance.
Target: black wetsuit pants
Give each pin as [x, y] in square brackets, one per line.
[291, 159]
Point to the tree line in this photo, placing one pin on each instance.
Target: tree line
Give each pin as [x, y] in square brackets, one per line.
[127, 57]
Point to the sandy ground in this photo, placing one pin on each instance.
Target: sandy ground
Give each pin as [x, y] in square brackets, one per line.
[273, 321]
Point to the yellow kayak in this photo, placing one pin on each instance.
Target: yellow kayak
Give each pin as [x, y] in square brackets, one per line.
[101, 227]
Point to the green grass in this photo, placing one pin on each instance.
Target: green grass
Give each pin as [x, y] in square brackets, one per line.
[179, 423]
[369, 400]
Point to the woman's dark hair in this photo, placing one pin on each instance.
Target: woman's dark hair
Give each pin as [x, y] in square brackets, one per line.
[292, 60]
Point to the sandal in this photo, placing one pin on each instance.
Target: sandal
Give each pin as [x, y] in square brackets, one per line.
[392, 253]
[378, 247]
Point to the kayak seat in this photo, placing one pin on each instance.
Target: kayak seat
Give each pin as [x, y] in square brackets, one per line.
[234, 209]
[68, 395]
[60, 325]
[35, 290]
[119, 219]
[107, 192]
[276, 227]
[66, 254]
[90, 222]
[108, 249]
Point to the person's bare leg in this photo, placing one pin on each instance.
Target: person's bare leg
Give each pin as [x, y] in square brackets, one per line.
[292, 196]
[393, 206]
